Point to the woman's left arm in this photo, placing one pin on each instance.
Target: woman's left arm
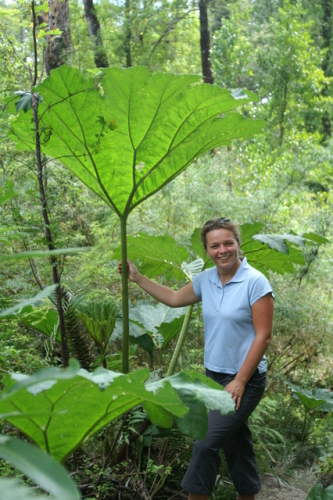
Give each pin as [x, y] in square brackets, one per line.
[262, 317]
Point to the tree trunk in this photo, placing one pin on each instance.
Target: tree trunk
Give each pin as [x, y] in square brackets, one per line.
[327, 30]
[127, 44]
[205, 43]
[94, 29]
[59, 47]
[128, 35]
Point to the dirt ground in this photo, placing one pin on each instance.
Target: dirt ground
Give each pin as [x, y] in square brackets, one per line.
[273, 489]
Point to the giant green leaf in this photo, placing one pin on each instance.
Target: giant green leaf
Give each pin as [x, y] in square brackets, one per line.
[207, 397]
[266, 259]
[137, 134]
[193, 268]
[39, 467]
[77, 404]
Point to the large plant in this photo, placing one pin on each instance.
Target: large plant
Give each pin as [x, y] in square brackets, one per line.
[61, 409]
[129, 134]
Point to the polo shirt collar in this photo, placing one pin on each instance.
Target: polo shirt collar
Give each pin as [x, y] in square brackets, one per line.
[239, 276]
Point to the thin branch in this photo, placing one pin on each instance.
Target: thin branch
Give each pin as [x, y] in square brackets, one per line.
[168, 30]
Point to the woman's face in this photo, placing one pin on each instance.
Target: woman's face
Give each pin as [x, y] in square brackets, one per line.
[223, 249]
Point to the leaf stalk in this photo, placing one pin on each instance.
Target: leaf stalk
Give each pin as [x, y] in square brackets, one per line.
[180, 343]
[125, 306]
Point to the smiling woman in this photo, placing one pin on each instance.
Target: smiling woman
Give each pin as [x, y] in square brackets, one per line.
[237, 308]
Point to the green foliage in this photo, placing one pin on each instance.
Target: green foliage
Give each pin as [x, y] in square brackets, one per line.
[161, 255]
[158, 255]
[321, 399]
[157, 32]
[232, 54]
[92, 400]
[39, 467]
[7, 191]
[42, 319]
[19, 350]
[311, 400]
[292, 69]
[319, 493]
[22, 305]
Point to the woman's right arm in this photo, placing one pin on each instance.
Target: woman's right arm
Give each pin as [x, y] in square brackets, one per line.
[173, 298]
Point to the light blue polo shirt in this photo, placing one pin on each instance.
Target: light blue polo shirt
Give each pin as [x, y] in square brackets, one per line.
[226, 310]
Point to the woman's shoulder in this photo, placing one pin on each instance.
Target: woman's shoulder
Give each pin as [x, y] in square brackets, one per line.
[257, 283]
[201, 279]
[253, 273]
[209, 273]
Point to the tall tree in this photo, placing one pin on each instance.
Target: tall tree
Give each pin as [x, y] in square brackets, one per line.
[128, 35]
[58, 47]
[94, 29]
[327, 66]
[205, 42]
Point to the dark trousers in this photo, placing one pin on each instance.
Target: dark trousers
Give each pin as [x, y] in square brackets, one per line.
[230, 433]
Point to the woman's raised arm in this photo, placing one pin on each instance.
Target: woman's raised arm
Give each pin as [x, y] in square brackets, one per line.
[185, 296]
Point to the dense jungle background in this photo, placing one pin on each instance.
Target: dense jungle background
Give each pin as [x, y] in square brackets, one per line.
[281, 180]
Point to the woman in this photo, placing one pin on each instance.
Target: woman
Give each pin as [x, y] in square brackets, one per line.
[237, 307]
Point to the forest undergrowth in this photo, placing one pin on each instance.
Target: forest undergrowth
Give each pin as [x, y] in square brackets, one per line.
[279, 181]
[129, 459]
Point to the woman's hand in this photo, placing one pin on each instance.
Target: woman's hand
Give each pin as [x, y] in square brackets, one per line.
[236, 389]
[133, 273]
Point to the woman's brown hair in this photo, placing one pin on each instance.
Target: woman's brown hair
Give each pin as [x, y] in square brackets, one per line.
[220, 223]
